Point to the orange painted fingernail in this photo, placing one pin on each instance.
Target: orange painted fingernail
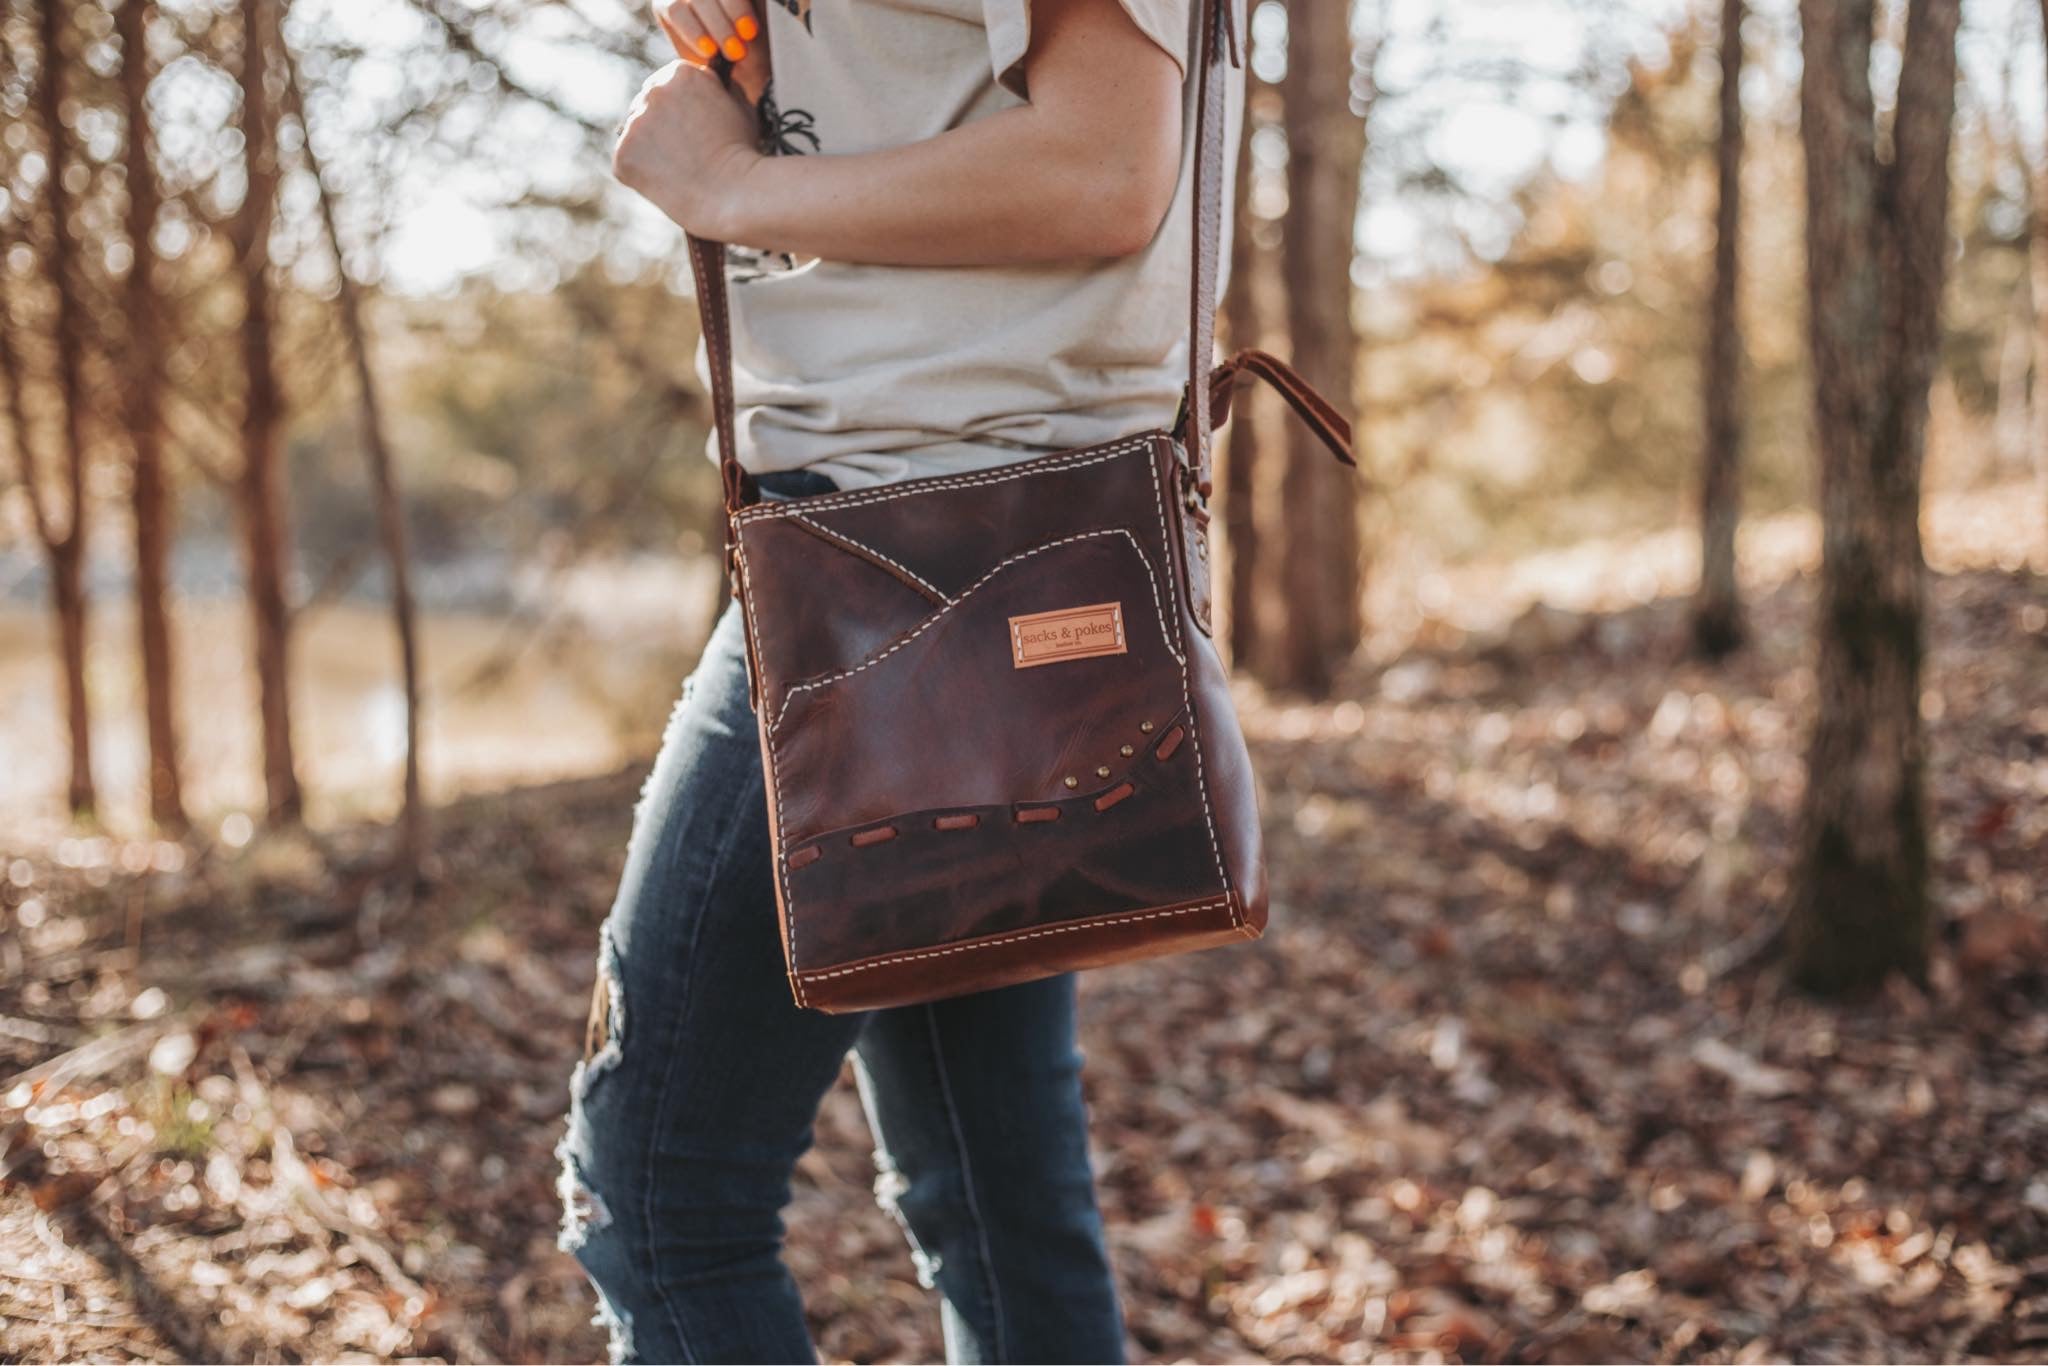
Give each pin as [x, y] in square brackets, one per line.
[748, 29]
[708, 46]
[735, 50]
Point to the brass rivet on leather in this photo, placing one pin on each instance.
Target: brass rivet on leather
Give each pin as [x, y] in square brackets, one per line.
[1145, 726]
[1102, 772]
[1127, 751]
[1071, 781]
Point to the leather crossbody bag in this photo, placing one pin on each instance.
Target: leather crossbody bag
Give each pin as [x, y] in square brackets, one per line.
[998, 740]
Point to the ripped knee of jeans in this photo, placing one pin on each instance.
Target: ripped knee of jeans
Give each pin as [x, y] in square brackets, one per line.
[618, 1326]
[583, 1208]
[604, 1034]
[891, 1186]
[585, 1213]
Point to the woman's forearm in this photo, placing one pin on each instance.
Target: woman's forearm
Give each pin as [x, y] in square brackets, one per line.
[1086, 168]
[1024, 185]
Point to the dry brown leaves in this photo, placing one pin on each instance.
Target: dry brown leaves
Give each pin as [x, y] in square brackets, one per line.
[1507, 1081]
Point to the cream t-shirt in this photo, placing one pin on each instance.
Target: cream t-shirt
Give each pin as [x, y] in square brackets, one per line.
[871, 374]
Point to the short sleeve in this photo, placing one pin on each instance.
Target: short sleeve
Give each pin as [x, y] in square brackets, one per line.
[1165, 22]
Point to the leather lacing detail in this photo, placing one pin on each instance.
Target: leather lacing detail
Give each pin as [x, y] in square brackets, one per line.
[1032, 814]
[1113, 796]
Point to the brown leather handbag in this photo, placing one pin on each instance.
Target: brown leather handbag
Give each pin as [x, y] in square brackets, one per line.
[998, 741]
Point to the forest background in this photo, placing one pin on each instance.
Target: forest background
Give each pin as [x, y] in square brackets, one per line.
[355, 535]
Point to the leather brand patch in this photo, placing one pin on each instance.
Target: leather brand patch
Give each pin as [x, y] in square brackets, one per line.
[1070, 633]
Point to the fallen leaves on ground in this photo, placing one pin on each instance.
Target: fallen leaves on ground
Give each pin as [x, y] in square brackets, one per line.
[1512, 1078]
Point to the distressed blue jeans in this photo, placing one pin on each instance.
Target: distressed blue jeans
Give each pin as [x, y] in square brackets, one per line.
[703, 1078]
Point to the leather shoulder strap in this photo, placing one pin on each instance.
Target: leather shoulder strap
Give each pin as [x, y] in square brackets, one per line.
[707, 266]
[1216, 38]
[1219, 29]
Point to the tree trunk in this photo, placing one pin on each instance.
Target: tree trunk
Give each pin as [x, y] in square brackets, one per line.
[67, 548]
[1320, 572]
[1241, 562]
[383, 482]
[12, 375]
[1717, 611]
[1877, 240]
[150, 495]
[260, 489]
[2040, 277]
[67, 600]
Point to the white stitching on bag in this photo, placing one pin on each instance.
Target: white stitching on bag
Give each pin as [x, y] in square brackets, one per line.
[775, 786]
[1052, 464]
[1188, 702]
[905, 570]
[1166, 637]
[1092, 922]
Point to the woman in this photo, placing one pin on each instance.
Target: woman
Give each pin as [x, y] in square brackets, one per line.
[961, 240]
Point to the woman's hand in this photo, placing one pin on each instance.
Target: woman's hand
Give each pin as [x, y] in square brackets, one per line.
[685, 146]
[703, 30]
[689, 136]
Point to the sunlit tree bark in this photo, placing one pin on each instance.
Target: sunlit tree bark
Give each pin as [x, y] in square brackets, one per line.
[2040, 274]
[1877, 236]
[1319, 554]
[383, 484]
[260, 493]
[64, 537]
[1717, 611]
[142, 387]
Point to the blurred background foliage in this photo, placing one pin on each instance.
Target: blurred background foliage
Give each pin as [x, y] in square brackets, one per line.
[351, 464]
[1533, 259]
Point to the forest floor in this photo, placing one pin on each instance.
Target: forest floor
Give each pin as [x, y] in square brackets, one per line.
[1513, 1076]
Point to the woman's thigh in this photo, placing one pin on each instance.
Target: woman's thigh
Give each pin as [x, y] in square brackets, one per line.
[982, 1140]
[704, 1078]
